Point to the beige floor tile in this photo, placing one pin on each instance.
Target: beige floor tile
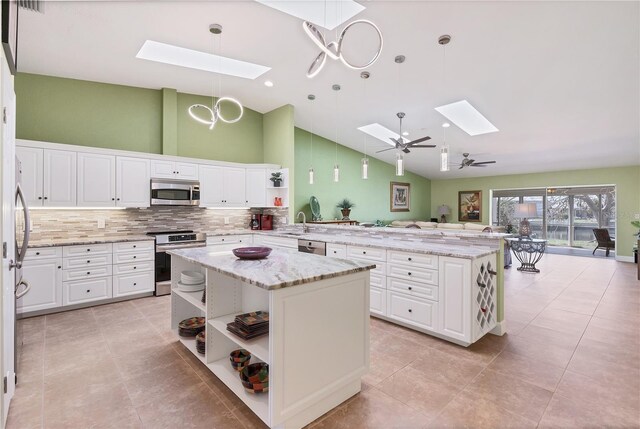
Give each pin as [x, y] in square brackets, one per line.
[612, 332]
[550, 336]
[627, 355]
[558, 355]
[102, 371]
[625, 394]
[418, 391]
[565, 412]
[70, 356]
[25, 417]
[622, 312]
[469, 411]
[511, 393]
[562, 320]
[381, 366]
[247, 418]
[146, 361]
[68, 324]
[116, 313]
[533, 371]
[401, 350]
[445, 368]
[482, 351]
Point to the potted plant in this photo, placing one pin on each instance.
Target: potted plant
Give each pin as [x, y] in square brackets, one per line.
[276, 178]
[636, 223]
[345, 207]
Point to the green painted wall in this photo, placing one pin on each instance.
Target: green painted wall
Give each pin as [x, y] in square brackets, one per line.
[88, 113]
[237, 142]
[169, 121]
[278, 139]
[626, 179]
[370, 196]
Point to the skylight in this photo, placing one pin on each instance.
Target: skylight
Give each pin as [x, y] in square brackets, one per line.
[183, 57]
[465, 116]
[380, 132]
[328, 14]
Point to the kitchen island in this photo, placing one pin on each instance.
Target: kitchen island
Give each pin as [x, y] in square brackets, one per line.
[318, 342]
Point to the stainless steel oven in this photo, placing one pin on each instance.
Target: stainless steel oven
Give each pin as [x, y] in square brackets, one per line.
[167, 192]
[171, 240]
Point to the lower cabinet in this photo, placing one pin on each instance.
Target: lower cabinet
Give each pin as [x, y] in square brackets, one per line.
[270, 241]
[422, 313]
[377, 301]
[226, 243]
[130, 284]
[45, 279]
[81, 291]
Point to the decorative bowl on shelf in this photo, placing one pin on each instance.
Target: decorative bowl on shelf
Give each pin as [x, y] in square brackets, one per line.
[255, 377]
[191, 277]
[191, 327]
[201, 339]
[239, 359]
[252, 252]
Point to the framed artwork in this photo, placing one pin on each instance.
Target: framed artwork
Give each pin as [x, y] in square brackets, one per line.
[400, 197]
[10, 32]
[469, 206]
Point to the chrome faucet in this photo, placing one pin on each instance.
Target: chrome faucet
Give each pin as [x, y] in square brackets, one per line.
[305, 228]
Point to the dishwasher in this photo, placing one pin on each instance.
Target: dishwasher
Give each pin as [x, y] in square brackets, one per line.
[310, 246]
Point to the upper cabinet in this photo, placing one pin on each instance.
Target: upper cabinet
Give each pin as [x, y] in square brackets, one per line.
[222, 186]
[174, 170]
[256, 187]
[48, 177]
[133, 185]
[233, 187]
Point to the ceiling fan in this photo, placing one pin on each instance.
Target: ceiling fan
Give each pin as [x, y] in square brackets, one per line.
[466, 162]
[403, 145]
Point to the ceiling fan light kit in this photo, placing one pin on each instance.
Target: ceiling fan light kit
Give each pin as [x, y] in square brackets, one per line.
[399, 164]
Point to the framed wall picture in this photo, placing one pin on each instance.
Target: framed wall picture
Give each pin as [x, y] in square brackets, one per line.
[400, 197]
[10, 32]
[469, 206]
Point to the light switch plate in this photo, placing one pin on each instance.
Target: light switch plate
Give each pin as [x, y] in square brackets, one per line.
[637, 216]
[226, 220]
[101, 223]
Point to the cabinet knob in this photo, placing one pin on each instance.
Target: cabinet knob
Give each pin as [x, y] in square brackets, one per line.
[410, 288]
[118, 199]
[134, 246]
[134, 257]
[37, 253]
[88, 262]
[364, 253]
[88, 290]
[410, 311]
[409, 274]
[177, 172]
[88, 272]
[59, 266]
[46, 198]
[88, 250]
[113, 199]
[39, 198]
[135, 284]
[135, 268]
[409, 259]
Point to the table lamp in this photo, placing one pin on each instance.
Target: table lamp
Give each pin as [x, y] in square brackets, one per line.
[524, 211]
[443, 211]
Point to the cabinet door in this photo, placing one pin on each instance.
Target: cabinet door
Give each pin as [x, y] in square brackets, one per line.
[60, 178]
[186, 171]
[133, 183]
[337, 250]
[422, 313]
[32, 174]
[163, 169]
[82, 291]
[96, 180]
[233, 186]
[45, 278]
[377, 301]
[211, 194]
[455, 301]
[256, 187]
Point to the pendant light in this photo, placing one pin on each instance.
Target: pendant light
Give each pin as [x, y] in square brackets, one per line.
[444, 151]
[214, 113]
[364, 167]
[336, 167]
[311, 97]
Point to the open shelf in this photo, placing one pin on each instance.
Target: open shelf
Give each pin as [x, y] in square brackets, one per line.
[259, 347]
[194, 298]
[257, 402]
[277, 187]
[190, 344]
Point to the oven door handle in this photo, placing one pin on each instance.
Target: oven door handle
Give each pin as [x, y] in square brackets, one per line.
[163, 247]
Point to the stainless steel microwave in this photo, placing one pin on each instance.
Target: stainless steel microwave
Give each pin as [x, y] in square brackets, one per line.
[167, 192]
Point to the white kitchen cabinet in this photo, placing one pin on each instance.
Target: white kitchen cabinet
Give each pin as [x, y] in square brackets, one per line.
[455, 297]
[233, 186]
[59, 184]
[31, 160]
[377, 301]
[133, 182]
[45, 278]
[337, 250]
[222, 186]
[271, 241]
[422, 313]
[174, 170]
[133, 283]
[96, 180]
[81, 291]
[256, 187]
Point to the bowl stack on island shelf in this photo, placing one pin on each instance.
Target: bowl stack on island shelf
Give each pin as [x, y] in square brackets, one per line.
[250, 325]
[191, 281]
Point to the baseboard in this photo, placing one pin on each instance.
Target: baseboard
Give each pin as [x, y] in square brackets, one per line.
[624, 258]
[500, 329]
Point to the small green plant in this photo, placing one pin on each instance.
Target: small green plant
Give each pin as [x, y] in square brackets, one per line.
[636, 223]
[276, 178]
[345, 204]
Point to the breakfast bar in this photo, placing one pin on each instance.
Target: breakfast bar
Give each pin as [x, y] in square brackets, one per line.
[317, 348]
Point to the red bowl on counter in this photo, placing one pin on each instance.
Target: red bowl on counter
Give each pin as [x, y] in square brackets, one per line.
[252, 252]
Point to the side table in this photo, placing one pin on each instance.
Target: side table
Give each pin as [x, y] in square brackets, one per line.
[528, 251]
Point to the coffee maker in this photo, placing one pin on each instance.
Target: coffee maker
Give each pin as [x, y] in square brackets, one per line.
[266, 221]
[255, 221]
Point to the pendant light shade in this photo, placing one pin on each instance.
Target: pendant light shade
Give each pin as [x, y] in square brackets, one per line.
[311, 176]
[336, 173]
[365, 168]
[399, 164]
[444, 158]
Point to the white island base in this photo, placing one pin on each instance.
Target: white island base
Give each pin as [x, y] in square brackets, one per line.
[317, 348]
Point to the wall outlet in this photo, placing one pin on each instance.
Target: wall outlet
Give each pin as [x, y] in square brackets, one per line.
[636, 216]
[285, 220]
[102, 223]
[226, 220]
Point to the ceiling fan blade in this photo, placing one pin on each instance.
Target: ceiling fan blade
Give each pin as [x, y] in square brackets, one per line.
[477, 165]
[461, 167]
[423, 146]
[384, 150]
[396, 141]
[405, 150]
[420, 140]
[484, 162]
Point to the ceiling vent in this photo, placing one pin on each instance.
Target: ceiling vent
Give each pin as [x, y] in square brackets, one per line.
[32, 5]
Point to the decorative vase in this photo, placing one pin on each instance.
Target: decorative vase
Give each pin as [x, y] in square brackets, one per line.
[277, 183]
[345, 214]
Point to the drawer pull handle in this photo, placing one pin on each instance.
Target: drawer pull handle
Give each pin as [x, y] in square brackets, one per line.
[135, 284]
[88, 290]
[88, 272]
[410, 288]
[493, 273]
[481, 284]
[88, 262]
[409, 259]
[59, 266]
[88, 250]
[37, 253]
[135, 268]
[364, 253]
[134, 257]
[134, 246]
[410, 311]
[408, 274]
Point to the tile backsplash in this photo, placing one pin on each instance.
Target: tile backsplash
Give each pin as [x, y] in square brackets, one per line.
[51, 223]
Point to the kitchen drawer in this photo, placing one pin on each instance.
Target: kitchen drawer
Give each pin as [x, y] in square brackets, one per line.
[377, 301]
[337, 250]
[129, 284]
[87, 261]
[289, 243]
[413, 259]
[134, 267]
[376, 280]
[414, 274]
[224, 239]
[369, 253]
[81, 291]
[38, 253]
[89, 249]
[413, 311]
[133, 246]
[420, 290]
[380, 269]
[86, 273]
[123, 258]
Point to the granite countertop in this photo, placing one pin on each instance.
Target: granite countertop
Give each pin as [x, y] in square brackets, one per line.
[282, 268]
[71, 241]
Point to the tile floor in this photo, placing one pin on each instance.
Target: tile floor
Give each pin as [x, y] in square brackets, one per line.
[571, 359]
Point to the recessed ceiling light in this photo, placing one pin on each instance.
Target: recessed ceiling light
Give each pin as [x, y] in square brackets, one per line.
[380, 132]
[405, 133]
[326, 14]
[446, 125]
[268, 83]
[183, 57]
[465, 116]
